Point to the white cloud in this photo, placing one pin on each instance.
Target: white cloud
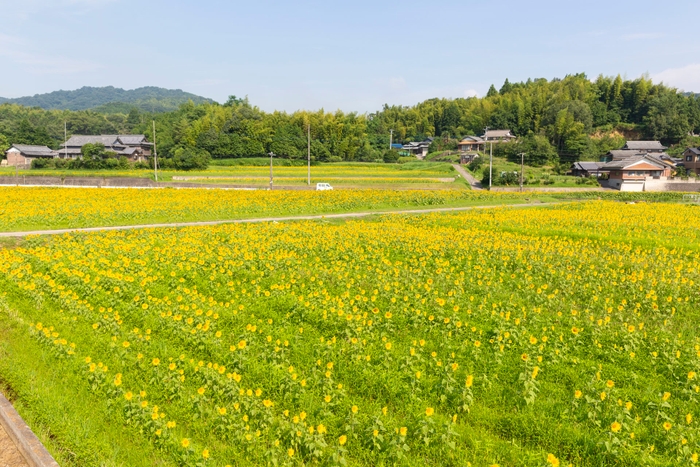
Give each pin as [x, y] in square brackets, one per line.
[471, 93]
[686, 78]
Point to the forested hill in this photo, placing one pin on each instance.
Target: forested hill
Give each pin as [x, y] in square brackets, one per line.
[556, 121]
[110, 99]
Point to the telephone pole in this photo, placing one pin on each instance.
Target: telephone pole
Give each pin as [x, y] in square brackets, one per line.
[65, 140]
[308, 153]
[155, 152]
[271, 154]
[391, 138]
[490, 164]
[522, 165]
[490, 159]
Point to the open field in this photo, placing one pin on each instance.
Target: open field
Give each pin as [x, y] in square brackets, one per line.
[32, 208]
[29, 208]
[548, 336]
[341, 175]
[534, 176]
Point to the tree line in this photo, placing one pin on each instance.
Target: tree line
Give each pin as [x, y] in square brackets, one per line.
[573, 118]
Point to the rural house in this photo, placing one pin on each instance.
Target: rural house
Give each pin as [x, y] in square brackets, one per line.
[498, 136]
[470, 143]
[620, 154]
[23, 154]
[691, 160]
[635, 173]
[136, 148]
[646, 147]
[588, 169]
[418, 149]
[468, 157]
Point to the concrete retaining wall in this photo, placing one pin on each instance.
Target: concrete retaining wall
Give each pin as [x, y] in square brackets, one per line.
[78, 181]
[683, 187]
[22, 436]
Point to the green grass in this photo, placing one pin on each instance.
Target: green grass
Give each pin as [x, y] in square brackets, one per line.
[35, 383]
[534, 176]
[236, 167]
[533, 304]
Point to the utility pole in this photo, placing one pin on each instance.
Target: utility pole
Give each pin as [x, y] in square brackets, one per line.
[391, 139]
[490, 164]
[65, 140]
[522, 165]
[271, 154]
[490, 159]
[308, 153]
[155, 151]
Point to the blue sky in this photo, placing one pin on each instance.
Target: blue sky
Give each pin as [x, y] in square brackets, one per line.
[350, 55]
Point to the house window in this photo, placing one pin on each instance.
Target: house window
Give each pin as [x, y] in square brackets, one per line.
[689, 158]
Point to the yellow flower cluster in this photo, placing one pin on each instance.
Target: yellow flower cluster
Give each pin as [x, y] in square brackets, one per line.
[311, 342]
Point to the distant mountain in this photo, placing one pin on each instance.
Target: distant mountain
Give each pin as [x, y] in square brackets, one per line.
[110, 99]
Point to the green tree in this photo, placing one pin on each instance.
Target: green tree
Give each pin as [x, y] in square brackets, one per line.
[94, 151]
[4, 145]
[667, 119]
[134, 117]
[507, 87]
[191, 159]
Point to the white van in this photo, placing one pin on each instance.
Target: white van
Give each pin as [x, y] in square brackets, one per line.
[323, 186]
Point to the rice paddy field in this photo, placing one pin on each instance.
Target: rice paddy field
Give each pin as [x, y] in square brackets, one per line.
[415, 175]
[541, 336]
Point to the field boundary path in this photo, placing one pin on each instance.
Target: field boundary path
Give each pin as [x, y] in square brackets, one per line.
[475, 184]
[344, 215]
[19, 446]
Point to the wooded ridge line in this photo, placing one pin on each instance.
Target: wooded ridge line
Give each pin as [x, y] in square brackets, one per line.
[573, 118]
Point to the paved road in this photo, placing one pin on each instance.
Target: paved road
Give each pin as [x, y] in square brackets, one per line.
[347, 215]
[476, 184]
[9, 454]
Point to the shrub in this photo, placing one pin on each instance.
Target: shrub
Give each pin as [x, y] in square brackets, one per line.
[188, 158]
[404, 160]
[391, 156]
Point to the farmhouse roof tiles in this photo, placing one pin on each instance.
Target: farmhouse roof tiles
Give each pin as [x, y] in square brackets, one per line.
[107, 140]
[35, 151]
[645, 145]
[498, 134]
[623, 163]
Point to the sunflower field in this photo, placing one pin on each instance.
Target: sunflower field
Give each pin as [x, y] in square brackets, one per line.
[27, 208]
[548, 336]
[33, 208]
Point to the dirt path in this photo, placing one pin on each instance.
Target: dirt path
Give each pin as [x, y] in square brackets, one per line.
[347, 215]
[476, 184]
[9, 455]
